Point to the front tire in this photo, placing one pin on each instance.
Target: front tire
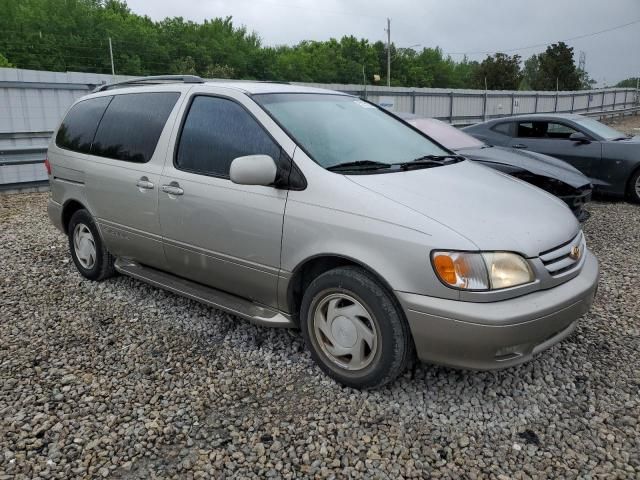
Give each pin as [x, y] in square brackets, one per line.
[633, 190]
[89, 254]
[354, 328]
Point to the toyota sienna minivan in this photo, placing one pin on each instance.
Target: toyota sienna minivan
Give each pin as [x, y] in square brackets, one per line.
[293, 206]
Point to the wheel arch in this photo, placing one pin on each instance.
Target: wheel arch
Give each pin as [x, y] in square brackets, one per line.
[70, 207]
[628, 186]
[310, 268]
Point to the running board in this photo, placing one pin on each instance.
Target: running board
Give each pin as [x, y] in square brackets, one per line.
[256, 314]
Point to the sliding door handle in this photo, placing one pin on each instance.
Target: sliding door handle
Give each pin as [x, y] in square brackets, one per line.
[173, 189]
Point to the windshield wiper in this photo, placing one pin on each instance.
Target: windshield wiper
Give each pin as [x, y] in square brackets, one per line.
[441, 158]
[358, 165]
[430, 161]
[621, 138]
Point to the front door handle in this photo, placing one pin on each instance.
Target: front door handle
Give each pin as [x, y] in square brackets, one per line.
[144, 184]
[519, 145]
[173, 189]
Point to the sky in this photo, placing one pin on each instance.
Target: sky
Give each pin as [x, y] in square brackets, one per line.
[456, 26]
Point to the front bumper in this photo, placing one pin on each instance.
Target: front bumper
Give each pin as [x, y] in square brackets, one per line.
[500, 334]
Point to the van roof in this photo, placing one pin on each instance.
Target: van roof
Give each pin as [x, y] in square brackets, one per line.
[270, 87]
[246, 86]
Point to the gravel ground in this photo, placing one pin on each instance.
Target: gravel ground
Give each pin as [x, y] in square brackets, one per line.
[122, 380]
[629, 124]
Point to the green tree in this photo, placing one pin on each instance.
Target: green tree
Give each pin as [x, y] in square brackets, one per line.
[586, 82]
[530, 73]
[73, 35]
[219, 71]
[4, 62]
[463, 74]
[501, 72]
[557, 68]
[631, 82]
[184, 66]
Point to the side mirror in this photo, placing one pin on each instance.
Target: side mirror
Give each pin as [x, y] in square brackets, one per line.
[253, 170]
[579, 137]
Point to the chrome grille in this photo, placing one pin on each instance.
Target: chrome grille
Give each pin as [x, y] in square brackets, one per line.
[559, 260]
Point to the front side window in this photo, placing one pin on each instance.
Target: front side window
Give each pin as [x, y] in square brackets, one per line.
[338, 129]
[79, 126]
[132, 124]
[559, 130]
[215, 132]
[544, 130]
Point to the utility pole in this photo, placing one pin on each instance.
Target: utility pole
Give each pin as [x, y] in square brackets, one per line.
[113, 70]
[388, 30]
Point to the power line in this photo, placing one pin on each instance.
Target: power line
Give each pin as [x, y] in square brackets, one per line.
[547, 43]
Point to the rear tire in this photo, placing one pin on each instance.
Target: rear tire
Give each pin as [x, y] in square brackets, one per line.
[89, 254]
[354, 328]
[633, 190]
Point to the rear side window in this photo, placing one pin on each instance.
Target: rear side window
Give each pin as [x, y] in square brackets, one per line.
[79, 126]
[503, 128]
[132, 124]
[215, 132]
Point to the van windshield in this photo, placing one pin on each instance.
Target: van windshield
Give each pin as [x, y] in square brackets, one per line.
[339, 129]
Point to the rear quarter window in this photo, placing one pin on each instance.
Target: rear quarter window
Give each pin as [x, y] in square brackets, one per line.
[78, 128]
[503, 128]
[132, 124]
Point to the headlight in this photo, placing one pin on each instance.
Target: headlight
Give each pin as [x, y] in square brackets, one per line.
[481, 271]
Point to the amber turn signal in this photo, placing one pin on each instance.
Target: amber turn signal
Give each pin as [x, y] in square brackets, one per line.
[445, 268]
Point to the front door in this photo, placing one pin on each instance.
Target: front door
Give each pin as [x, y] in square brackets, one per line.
[552, 138]
[215, 232]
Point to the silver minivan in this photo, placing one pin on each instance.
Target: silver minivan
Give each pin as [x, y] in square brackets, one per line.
[300, 207]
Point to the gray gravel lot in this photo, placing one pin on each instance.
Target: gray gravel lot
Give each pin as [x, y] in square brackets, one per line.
[122, 380]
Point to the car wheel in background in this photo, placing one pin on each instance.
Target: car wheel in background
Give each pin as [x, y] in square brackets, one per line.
[354, 328]
[90, 256]
[633, 190]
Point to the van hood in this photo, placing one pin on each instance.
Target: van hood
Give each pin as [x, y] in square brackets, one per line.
[533, 162]
[490, 209]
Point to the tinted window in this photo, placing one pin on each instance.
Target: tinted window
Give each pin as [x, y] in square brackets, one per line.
[215, 132]
[559, 130]
[132, 125]
[544, 130]
[504, 128]
[79, 126]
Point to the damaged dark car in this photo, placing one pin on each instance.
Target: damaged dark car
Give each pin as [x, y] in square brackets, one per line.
[548, 173]
[611, 159]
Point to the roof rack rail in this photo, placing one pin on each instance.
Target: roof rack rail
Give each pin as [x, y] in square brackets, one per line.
[157, 79]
